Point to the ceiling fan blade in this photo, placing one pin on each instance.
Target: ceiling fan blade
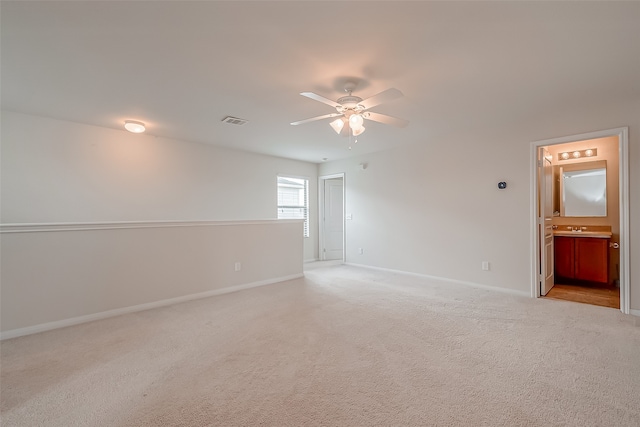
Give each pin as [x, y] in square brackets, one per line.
[313, 119]
[384, 96]
[387, 120]
[322, 99]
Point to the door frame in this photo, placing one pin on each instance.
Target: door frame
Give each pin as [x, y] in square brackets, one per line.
[321, 182]
[623, 159]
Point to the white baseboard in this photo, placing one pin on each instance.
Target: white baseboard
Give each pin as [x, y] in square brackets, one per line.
[306, 261]
[14, 333]
[445, 279]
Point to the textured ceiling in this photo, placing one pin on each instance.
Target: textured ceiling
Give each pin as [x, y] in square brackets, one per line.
[181, 67]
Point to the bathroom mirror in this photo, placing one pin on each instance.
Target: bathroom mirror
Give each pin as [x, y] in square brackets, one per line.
[583, 189]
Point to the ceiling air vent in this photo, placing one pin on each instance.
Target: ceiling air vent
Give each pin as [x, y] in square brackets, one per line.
[234, 121]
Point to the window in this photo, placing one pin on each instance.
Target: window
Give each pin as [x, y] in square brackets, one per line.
[293, 200]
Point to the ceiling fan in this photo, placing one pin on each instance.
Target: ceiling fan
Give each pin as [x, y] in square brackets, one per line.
[352, 110]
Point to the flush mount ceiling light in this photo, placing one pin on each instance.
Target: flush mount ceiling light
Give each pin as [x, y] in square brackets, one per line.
[134, 126]
[352, 110]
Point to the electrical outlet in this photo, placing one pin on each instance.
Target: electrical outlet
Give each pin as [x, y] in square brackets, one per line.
[360, 251]
[238, 266]
[485, 265]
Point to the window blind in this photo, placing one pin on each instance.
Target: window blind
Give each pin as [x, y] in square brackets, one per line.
[293, 200]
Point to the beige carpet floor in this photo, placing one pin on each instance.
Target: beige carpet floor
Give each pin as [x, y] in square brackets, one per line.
[344, 346]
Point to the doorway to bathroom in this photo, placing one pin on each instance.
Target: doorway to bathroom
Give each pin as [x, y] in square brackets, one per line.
[580, 220]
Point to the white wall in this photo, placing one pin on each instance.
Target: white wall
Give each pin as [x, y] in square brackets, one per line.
[433, 207]
[55, 276]
[56, 171]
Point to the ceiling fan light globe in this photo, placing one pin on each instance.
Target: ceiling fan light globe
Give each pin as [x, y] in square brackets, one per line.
[337, 125]
[358, 131]
[356, 121]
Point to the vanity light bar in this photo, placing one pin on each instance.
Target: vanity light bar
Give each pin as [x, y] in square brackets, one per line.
[571, 155]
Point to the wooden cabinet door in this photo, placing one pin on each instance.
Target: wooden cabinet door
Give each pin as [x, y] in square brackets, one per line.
[592, 259]
[564, 257]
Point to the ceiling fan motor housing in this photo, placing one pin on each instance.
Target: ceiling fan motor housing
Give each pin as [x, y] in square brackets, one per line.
[350, 102]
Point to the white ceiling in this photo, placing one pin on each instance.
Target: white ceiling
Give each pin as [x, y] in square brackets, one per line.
[181, 67]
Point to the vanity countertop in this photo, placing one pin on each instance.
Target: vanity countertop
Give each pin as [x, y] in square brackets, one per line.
[597, 234]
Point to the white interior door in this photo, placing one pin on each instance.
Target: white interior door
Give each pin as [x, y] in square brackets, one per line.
[333, 217]
[545, 215]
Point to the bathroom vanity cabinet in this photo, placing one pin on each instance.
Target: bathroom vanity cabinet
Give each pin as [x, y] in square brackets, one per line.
[582, 258]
